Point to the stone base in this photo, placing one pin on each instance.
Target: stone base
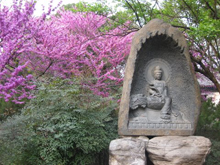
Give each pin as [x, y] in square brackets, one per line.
[174, 150]
[164, 150]
[128, 151]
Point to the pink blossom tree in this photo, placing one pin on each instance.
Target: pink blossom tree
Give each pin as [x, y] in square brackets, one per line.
[73, 44]
[66, 45]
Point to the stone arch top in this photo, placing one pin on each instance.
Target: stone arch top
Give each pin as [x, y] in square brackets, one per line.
[158, 27]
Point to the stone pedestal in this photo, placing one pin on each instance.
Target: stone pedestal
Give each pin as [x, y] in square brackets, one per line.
[175, 150]
[164, 150]
[128, 151]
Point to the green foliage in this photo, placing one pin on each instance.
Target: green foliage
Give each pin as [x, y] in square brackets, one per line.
[8, 109]
[170, 12]
[198, 15]
[98, 8]
[209, 126]
[64, 124]
[208, 29]
[214, 156]
[16, 141]
[209, 117]
[139, 11]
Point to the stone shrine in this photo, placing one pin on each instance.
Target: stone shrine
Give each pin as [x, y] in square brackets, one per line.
[160, 95]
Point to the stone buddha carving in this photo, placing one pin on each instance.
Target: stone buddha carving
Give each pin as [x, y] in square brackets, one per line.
[157, 96]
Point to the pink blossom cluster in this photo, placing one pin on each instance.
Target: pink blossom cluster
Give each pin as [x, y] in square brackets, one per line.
[73, 44]
[66, 45]
[15, 86]
[14, 37]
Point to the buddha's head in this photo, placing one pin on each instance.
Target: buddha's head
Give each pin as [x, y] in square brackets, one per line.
[158, 73]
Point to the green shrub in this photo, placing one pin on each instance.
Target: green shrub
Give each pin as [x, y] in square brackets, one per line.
[214, 156]
[209, 126]
[8, 109]
[64, 124]
[209, 117]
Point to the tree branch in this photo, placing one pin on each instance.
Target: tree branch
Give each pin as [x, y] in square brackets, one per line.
[152, 9]
[187, 5]
[206, 72]
[145, 19]
[138, 19]
[51, 63]
[183, 27]
[213, 11]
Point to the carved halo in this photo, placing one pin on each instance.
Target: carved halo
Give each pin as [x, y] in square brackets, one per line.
[150, 66]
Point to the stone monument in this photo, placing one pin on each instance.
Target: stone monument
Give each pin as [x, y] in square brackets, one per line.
[160, 97]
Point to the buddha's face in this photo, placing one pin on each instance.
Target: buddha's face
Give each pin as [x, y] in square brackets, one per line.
[158, 75]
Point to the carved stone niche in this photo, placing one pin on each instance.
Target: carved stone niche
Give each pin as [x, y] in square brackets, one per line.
[160, 95]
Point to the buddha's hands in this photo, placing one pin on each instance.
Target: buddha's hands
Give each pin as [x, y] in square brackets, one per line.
[157, 94]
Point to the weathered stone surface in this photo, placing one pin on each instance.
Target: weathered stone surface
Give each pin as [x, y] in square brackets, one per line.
[177, 150]
[128, 151]
[160, 93]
